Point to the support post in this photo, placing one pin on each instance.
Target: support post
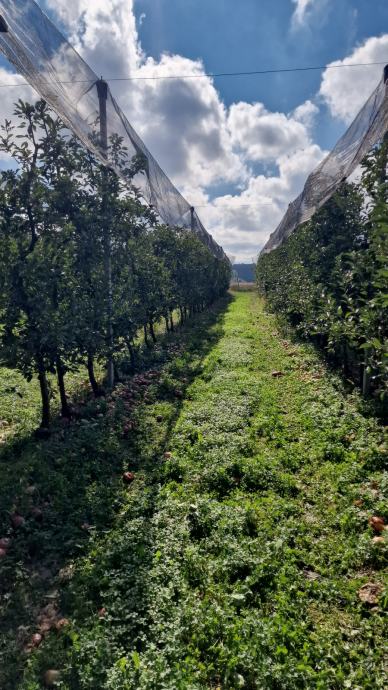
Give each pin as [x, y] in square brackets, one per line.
[192, 223]
[102, 91]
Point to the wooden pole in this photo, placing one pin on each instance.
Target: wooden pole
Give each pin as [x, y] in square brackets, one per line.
[192, 223]
[102, 91]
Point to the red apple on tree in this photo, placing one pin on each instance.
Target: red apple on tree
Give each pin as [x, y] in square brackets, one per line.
[128, 477]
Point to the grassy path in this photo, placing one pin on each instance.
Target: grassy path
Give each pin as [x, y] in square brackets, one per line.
[236, 557]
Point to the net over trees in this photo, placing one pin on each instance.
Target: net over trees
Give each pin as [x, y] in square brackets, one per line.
[38, 51]
[368, 128]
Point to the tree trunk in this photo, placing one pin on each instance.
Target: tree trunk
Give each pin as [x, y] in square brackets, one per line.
[366, 377]
[182, 315]
[131, 351]
[167, 324]
[147, 342]
[65, 410]
[97, 392]
[116, 373]
[153, 336]
[171, 323]
[45, 395]
[343, 359]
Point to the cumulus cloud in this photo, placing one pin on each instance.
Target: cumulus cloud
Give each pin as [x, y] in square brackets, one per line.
[182, 122]
[243, 222]
[346, 90]
[186, 123]
[306, 113]
[263, 135]
[197, 140]
[103, 31]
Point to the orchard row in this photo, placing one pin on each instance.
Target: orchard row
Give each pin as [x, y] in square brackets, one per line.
[84, 264]
[330, 278]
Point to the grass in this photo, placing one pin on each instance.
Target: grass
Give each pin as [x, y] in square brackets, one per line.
[236, 556]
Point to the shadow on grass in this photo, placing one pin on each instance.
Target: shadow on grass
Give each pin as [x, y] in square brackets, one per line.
[68, 492]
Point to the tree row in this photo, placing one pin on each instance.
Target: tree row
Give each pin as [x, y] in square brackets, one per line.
[84, 264]
[330, 278]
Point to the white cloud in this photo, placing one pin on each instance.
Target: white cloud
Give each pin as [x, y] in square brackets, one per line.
[300, 11]
[308, 11]
[263, 135]
[104, 33]
[346, 90]
[9, 95]
[242, 223]
[196, 139]
[186, 123]
[182, 122]
[306, 113]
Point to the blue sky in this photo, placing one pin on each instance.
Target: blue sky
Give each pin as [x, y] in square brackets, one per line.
[239, 148]
[255, 34]
[252, 34]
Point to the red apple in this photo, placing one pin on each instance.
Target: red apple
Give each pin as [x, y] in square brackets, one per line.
[377, 523]
[5, 543]
[17, 520]
[3, 553]
[36, 640]
[128, 427]
[37, 514]
[45, 626]
[128, 477]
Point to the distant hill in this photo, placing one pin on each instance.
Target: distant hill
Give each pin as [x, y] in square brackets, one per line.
[245, 272]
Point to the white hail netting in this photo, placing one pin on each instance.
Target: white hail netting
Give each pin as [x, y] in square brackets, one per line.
[365, 132]
[38, 51]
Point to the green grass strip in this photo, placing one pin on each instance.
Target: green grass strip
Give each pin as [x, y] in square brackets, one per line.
[236, 557]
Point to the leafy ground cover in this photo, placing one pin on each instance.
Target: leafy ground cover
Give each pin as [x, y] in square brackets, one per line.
[238, 554]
